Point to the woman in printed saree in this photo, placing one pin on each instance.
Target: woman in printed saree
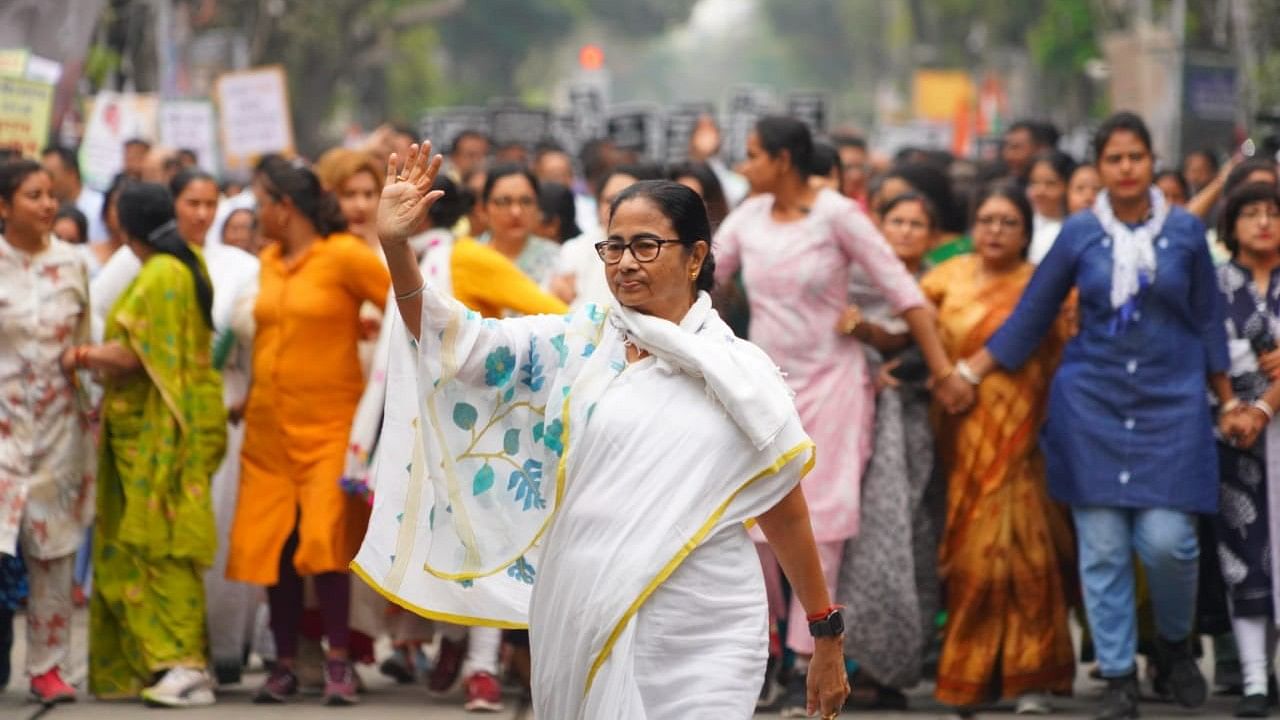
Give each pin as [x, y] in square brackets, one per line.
[1246, 527]
[633, 442]
[1006, 548]
[163, 436]
[46, 483]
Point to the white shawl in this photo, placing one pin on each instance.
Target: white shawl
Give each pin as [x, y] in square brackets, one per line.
[468, 485]
[1133, 254]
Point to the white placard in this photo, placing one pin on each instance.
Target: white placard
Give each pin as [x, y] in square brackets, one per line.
[190, 125]
[254, 120]
[114, 118]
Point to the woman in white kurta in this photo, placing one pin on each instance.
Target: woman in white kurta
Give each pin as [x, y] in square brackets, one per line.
[46, 487]
[633, 441]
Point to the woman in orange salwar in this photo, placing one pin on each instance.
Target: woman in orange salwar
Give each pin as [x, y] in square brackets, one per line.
[1005, 551]
[292, 518]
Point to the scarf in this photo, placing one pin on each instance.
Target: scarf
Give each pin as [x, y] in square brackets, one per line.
[1133, 254]
[702, 346]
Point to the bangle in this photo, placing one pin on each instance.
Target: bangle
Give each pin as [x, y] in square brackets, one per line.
[413, 293]
[82, 356]
[814, 617]
[967, 374]
[1265, 407]
[943, 376]
[1230, 406]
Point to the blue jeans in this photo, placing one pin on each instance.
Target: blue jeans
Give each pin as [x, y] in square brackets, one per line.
[1167, 544]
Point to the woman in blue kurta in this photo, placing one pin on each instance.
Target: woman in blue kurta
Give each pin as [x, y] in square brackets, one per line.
[1129, 439]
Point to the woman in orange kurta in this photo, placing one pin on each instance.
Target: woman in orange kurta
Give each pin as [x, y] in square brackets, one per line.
[1006, 548]
[292, 518]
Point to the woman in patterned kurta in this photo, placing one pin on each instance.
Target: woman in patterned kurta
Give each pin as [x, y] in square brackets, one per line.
[292, 517]
[163, 435]
[46, 490]
[796, 247]
[1245, 526]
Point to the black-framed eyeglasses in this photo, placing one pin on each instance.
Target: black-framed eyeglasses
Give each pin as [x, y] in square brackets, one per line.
[643, 249]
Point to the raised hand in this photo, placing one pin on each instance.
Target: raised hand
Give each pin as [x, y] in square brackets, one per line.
[407, 195]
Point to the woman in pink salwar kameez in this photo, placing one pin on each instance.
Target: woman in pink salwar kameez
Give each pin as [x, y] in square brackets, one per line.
[796, 247]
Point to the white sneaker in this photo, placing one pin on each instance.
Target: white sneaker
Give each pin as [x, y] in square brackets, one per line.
[1034, 704]
[181, 687]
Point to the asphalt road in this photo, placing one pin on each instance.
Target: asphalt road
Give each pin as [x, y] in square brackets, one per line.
[385, 700]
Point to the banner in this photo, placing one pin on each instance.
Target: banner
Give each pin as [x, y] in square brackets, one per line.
[190, 125]
[24, 114]
[113, 118]
[254, 117]
[746, 105]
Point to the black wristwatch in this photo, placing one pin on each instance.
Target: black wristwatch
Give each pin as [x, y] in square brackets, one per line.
[830, 626]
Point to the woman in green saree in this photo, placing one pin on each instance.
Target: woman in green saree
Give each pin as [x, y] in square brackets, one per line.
[163, 435]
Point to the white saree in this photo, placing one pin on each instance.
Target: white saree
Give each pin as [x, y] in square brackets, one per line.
[536, 452]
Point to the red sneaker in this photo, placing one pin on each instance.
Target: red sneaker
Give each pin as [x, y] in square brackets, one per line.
[51, 689]
[483, 693]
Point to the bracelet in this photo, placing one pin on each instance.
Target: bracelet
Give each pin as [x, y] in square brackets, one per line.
[1230, 406]
[1265, 407]
[814, 617]
[967, 374]
[414, 293]
[81, 356]
[942, 378]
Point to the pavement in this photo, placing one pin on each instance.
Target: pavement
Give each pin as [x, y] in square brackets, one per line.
[386, 700]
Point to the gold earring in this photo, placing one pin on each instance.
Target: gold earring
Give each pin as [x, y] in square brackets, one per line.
[694, 274]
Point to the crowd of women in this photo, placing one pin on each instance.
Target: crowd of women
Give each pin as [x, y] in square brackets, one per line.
[1039, 388]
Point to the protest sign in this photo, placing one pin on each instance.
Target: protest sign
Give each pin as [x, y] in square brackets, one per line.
[113, 118]
[636, 128]
[746, 105]
[681, 121]
[254, 119]
[442, 125]
[24, 114]
[812, 107]
[190, 125]
[514, 124]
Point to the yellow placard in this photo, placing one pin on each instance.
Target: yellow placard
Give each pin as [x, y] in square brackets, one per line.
[25, 107]
[940, 94]
[13, 62]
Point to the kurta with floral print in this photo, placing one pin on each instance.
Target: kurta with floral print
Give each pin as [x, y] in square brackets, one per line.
[45, 446]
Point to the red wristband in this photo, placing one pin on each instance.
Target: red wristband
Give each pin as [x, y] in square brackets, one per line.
[814, 617]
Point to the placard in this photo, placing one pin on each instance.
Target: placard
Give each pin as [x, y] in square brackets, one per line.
[746, 105]
[638, 129]
[13, 62]
[681, 121]
[587, 108]
[442, 125]
[812, 107]
[113, 118]
[513, 124]
[190, 125]
[254, 118]
[24, 114]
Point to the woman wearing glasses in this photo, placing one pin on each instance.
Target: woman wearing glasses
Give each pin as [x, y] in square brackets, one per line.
[1244, 528]
[1006, 547]
[510, 199]
[1128, 439]
[645, 429]
[796, 247]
